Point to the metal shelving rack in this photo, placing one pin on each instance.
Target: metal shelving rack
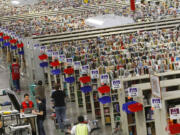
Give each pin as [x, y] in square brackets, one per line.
[96, 111]
[115, 105]
[88, 102]
[106, 110]
[154, 122]
[70, 87]
[78, 94]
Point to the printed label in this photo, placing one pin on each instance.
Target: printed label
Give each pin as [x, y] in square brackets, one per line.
[133, 92]
[94, 74]
[116, 84]
[105, 78]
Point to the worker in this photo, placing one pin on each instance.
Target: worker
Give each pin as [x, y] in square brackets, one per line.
[15, 71]
[58, 97]
[27, 104]
[40, 92]
[41, 114]
[82, 128]
[27, 107]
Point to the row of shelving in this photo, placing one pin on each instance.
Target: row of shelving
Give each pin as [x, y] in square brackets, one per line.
[148, 120]
[74, 40]
[62, 11]
[110, 113]
[117, 53]
[89, 102]
[9, 50]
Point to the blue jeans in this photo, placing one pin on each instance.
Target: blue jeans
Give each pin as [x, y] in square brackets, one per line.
[61, 116]
[16, 84]
[40, 127]
[44, 102]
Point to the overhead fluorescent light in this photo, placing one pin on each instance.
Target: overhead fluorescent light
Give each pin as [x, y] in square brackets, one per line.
[94, 21]
[15, 2]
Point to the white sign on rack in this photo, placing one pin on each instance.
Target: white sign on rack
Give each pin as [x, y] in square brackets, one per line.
[85, 69]
[133, 92]
[55, 54]
[105, 78]
[62, 58]
[77, 65]
[116, 84]
[94, 74]
[69, 61]
[36, 46]
[49, 52]
[156, 103]
[174, 113]
[42, 49]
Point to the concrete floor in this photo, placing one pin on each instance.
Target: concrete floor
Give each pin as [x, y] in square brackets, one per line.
[49, 123]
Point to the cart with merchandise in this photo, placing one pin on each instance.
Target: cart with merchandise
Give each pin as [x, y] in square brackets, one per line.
[12, 124]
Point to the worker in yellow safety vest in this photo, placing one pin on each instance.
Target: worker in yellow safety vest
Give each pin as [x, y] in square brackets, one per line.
[82, 128]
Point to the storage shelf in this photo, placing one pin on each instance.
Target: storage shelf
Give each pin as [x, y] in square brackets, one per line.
[96, 101]
[115, 102]
[163, 84]
[108, 123]
[149, 121]
[106, 106]
[133, 124]
[117, 121]
[114, 94]
[169, 80]
[147, 106]
[116, 113]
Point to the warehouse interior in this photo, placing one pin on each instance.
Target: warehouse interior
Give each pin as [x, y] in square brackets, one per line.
[112, 66]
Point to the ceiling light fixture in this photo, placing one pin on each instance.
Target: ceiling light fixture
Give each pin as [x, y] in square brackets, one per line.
[96, 22]
[15, 2]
